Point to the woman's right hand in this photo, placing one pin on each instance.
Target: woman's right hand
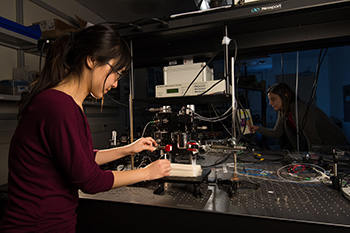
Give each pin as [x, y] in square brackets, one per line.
[158, 169]
[253, 128]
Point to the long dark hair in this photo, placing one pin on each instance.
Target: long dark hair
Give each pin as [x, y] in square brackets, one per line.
[286, 94]
[68, 54]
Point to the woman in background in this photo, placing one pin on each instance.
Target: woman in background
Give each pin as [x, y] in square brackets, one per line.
[316, 127]
[51, 154]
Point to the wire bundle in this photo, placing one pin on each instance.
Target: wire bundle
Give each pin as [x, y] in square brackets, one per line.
[215, 119]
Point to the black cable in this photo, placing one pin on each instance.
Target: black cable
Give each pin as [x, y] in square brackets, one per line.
[206, 91]
[222, 123]
[198, 6]
[342, 180]
[116, 101]
[41, 54]
[314, 88]
[137, 23]
[234, 41]
[235, 59]
[236, 48]
[136, 27]
[214, 55]
[218, 162]
[163, 23]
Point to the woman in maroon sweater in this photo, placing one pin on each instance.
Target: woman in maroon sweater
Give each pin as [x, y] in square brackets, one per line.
[51, 154]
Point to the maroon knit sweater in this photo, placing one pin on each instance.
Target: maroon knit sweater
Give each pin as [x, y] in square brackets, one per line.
[51, 156]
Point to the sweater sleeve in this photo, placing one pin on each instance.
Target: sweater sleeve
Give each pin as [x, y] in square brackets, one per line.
[71, 149]
[320, 130]
[276, 132]
[311, 131]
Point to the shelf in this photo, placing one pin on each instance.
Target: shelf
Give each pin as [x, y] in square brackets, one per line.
[10, 97]
[18, 36]
[16, 40]
[205, 99]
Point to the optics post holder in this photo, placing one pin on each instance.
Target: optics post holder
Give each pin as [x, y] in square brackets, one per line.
[335, 178]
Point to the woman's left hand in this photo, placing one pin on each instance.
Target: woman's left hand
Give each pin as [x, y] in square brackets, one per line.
[143, 144]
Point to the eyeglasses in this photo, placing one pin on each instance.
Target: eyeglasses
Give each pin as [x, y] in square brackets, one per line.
[119, 74]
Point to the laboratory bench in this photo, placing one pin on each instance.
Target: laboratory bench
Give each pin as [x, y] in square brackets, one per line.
[265, 201]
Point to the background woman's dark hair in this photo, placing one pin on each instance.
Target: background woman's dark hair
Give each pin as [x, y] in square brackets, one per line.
[286, 94]
[67, 55]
